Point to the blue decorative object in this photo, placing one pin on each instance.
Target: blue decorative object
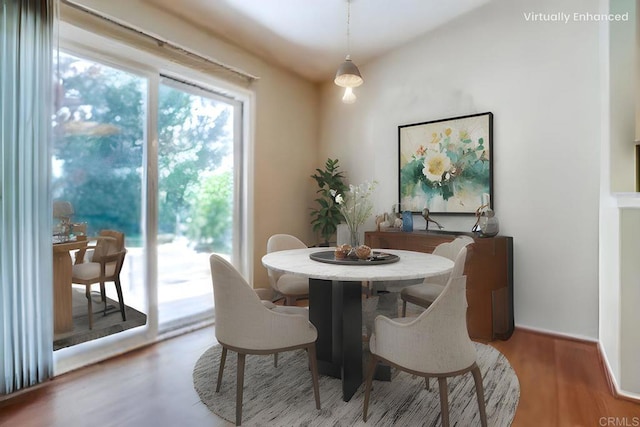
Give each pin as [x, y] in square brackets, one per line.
[407, 221]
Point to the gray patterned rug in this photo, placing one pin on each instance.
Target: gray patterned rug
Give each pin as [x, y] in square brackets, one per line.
[283, 396]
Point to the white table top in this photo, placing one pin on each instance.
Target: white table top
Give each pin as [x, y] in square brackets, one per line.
[412, 265]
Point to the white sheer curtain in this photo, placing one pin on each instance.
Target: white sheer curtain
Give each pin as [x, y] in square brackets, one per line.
[26, 308]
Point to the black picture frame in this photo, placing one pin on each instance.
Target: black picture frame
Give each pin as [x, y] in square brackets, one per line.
[446, 165]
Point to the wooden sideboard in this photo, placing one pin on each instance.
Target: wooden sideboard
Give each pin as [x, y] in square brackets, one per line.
[489, 276]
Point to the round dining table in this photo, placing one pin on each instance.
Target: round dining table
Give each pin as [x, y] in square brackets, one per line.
[335, 299]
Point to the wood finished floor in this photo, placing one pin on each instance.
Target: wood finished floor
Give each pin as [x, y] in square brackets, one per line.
[561, 384]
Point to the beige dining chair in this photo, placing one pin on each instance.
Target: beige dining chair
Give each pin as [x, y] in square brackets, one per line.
[435, 344]
[246, 326]
[101, 263]
[289, 286]
[425, 293]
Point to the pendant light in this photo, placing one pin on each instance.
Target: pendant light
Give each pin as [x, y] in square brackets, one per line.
[348, 75]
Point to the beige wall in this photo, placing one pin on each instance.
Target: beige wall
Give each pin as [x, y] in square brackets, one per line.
[285, 157]
[286, 123]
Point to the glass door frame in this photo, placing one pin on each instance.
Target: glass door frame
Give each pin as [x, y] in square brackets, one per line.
[92, 46]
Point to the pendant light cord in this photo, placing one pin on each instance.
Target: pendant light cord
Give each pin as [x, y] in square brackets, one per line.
[348, 27]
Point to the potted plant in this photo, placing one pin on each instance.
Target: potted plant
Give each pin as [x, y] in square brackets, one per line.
[326, 217]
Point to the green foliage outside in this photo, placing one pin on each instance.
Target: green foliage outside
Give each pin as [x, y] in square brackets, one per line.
[213, 199]
[99, 154]
[99, 128]
[192, 144]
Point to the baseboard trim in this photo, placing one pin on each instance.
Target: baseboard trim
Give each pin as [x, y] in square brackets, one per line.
[570, 337]
[614, 389]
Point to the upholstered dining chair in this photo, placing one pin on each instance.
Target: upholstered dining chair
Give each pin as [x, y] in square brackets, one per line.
[101, 263]
[435, 344]
[289, 286]
[246, 326]
[425, 293]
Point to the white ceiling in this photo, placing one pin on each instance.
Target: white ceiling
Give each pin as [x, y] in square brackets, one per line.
[309, 37]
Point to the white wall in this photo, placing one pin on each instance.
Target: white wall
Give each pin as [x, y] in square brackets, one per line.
[540, 79]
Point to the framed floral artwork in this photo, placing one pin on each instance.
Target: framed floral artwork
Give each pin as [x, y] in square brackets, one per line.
[446, 165]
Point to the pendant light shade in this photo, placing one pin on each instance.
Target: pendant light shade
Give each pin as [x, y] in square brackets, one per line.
[348, 74]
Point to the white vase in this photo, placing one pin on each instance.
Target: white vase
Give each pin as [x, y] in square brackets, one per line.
[342, 235]
[354, 238]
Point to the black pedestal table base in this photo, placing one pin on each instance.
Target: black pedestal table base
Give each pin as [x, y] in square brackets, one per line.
[335, 309]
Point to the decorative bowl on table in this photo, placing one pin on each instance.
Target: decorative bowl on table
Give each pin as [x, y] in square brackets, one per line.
[342, 251]
[363, 252]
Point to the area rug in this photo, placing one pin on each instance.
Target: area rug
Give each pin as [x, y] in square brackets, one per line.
[283, 395]
[102, 325]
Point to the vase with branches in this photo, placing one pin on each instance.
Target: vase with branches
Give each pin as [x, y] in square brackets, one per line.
[356, 206]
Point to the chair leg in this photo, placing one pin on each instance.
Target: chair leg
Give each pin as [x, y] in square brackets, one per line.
[223, 359]
[89, 305]
[404, 308]
[239, 387]
[311, 351]
[103, 297]
[444, 401]
[367, 288]
[289, 301]
[367, 387]
[120, 298]
[275, 360]
[426, 383]
[477, 378]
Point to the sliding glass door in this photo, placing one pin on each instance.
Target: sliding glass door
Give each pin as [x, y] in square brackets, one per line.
[97, 166]
[107, 168]
[196, 176]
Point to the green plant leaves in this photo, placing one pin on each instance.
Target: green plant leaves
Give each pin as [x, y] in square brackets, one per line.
[325, 219]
